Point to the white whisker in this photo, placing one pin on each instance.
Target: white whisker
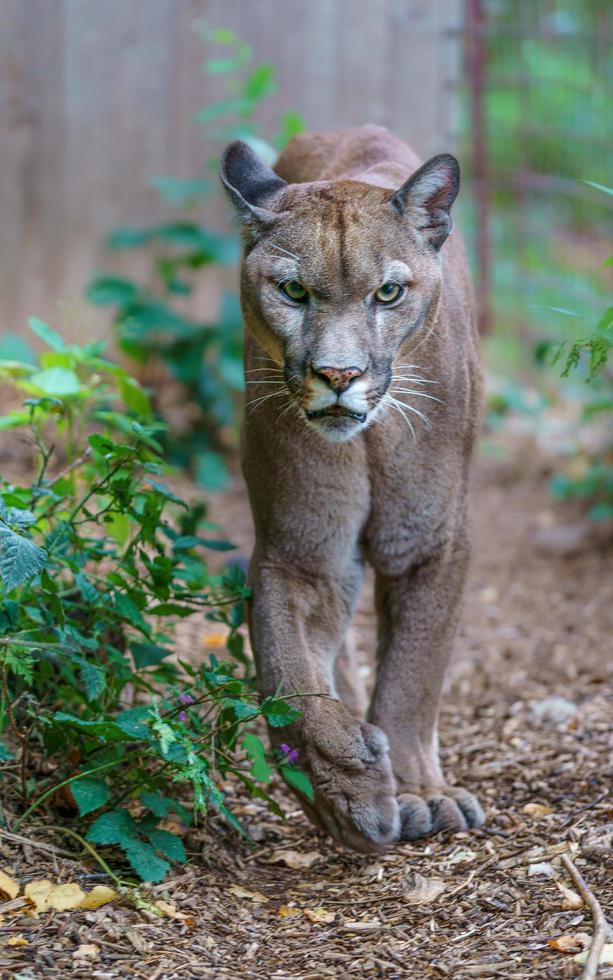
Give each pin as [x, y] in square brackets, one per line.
[415, 378]
[272, 370]
[263, 398]
[420, 394]
[264, 381]
[410, 408]
[388, 400]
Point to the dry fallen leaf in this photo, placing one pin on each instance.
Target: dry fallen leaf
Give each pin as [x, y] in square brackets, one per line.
[571, 899]
[239, 892]
[462, 856]
[286, 911]
[18, 940]
[537, 810]
[173, 827]
[171, 912]
[421, 890]
[99, 895]
[542, 868]
[65, 898]
[294, 859]
[86, 951]
[319, 916]
[570, 944]
[37, 893]
[9, 888]
[606, 956]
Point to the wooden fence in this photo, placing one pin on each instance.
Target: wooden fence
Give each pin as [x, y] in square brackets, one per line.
[97, 96]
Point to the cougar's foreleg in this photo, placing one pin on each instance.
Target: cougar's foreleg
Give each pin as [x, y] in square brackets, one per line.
[418, 612]
[297, 622]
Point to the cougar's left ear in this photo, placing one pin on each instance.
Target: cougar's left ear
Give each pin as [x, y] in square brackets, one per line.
[249, 182]
[428, 194]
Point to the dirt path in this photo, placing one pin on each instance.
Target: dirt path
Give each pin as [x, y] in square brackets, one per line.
[524, 724]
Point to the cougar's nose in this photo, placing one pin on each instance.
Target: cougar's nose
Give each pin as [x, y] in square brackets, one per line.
[339, 379]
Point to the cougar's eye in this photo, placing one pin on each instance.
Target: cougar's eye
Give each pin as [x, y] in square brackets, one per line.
[294, 290]
[389, 292]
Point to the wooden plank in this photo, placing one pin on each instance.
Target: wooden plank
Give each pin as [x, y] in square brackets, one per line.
[96, 98]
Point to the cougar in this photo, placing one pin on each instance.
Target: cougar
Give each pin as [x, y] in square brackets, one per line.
[364, 400]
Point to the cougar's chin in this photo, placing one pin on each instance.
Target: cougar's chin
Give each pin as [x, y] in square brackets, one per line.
[337, 424]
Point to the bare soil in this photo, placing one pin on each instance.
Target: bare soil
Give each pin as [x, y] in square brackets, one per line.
[526, 724]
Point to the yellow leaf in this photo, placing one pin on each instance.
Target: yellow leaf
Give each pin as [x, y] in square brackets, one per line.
[537, 810]
[294, 859]
[215, 640]
[423, 890]
[319, 916]
[240, 892]
[570, 944]
[86, 951]
[18, 940]
[65, 898]
[9, 888]
[286, 911]
[100, 895]
[37, 892]
[173, 913]
[571, 899]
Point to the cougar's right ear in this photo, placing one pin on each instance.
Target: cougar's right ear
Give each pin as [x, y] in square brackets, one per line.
[249, 183]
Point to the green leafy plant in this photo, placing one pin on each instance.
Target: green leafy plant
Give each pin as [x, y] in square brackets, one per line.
[588, 355]
[203, 359]
[99, 558]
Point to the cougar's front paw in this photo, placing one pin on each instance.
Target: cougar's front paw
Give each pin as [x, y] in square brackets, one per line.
[449, 808]
[351, 774]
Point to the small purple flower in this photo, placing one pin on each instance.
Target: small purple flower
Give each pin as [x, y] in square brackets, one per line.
[186, 699]
[291, 755]
[183, 716]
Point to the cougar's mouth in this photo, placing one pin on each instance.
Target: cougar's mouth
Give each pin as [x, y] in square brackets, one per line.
[336, 411]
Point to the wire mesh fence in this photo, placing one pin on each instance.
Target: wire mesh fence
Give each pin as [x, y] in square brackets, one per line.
[536, 126]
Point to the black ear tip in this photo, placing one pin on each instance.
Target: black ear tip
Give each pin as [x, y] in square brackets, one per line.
[234, 153]
[448, 162]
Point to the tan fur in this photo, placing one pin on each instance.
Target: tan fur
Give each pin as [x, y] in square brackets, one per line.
[330, 494]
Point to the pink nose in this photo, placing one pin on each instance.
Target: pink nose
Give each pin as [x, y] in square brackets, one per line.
[339, 379]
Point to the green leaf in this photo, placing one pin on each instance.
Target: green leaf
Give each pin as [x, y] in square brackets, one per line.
[57, 381]
[278, 713]
[298, 780]
[104, 729]
[90, 794]
[20, 558]
[606, 320]
[111, 290]
[94, 680]
[46, 333]
[145, 861]
[217, 545]
[169, 844]
[5, 754]
[159, 805]
[260, 83]
[115, 827]
[254, 747]
[148, 654]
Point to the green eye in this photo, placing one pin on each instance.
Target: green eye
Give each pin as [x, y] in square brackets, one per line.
[388, 292]
[294, 291]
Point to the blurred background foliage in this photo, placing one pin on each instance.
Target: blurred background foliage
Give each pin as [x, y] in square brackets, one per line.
[204, 359]
[534, 140]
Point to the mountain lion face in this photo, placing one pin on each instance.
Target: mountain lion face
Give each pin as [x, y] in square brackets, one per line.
[336, 277]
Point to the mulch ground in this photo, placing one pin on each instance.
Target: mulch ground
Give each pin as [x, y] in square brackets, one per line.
[526, 724]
